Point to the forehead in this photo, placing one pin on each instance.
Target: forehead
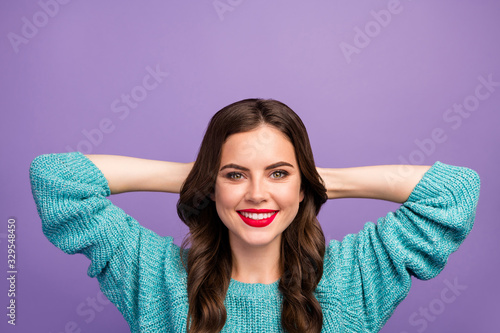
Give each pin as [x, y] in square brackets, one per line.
[263, 144]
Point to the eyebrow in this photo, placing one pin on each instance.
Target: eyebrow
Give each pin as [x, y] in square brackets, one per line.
[272, 166]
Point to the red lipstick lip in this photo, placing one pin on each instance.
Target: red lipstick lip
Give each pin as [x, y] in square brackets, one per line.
[257, 211]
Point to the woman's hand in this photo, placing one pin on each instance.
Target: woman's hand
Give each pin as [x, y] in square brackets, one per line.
[385, 182]
[128, 174]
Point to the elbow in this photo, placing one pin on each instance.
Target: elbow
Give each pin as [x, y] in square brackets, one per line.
[470, 196]
[38, 164]
[471, 188]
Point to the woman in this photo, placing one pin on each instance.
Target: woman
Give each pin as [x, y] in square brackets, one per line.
[249, 272]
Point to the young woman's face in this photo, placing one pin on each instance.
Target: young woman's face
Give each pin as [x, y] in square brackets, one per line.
[258, 170]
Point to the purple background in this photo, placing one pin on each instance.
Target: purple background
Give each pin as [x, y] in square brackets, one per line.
[372, 107]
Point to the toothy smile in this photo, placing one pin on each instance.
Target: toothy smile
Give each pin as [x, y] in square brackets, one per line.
[255, 216]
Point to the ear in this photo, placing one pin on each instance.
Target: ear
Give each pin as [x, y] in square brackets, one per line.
[212, 196]
[301, 195]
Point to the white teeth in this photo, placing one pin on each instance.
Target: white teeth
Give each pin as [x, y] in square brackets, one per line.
[255, 216]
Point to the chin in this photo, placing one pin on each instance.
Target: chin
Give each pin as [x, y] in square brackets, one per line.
[259, 240]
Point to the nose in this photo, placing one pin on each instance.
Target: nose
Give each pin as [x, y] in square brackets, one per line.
[257, 191]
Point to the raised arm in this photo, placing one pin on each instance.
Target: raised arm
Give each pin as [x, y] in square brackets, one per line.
[385, 182]
[372, 269]
[70, 192]
[127, 174]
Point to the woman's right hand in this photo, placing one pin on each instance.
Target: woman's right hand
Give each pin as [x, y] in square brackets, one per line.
[128, 174]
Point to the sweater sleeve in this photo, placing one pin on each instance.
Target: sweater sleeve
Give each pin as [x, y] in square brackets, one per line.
[375, 266]
[70, 194]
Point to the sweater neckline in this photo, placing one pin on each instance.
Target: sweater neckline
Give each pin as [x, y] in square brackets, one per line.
[253, 289]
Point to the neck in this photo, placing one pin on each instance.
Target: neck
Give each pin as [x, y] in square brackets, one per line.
[256, 264]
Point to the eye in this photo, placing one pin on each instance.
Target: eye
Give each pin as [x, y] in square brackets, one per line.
[282, 172]
[231, 174]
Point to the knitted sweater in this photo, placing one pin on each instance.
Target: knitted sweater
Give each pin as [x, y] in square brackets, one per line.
[366, 275]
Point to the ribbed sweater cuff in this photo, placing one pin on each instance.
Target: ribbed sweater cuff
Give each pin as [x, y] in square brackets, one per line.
[82, 169]
[443, 177]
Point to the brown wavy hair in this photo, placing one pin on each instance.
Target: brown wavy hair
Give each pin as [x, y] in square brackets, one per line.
[209, 261]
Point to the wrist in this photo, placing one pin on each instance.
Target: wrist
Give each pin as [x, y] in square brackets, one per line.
[334, 183]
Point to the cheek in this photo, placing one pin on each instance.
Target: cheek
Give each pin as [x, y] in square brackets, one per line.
[227, 196]
[290, 194]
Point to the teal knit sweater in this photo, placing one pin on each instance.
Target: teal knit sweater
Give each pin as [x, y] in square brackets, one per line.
[366, 275]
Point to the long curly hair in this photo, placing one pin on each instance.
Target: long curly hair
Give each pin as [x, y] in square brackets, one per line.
[209, 261]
